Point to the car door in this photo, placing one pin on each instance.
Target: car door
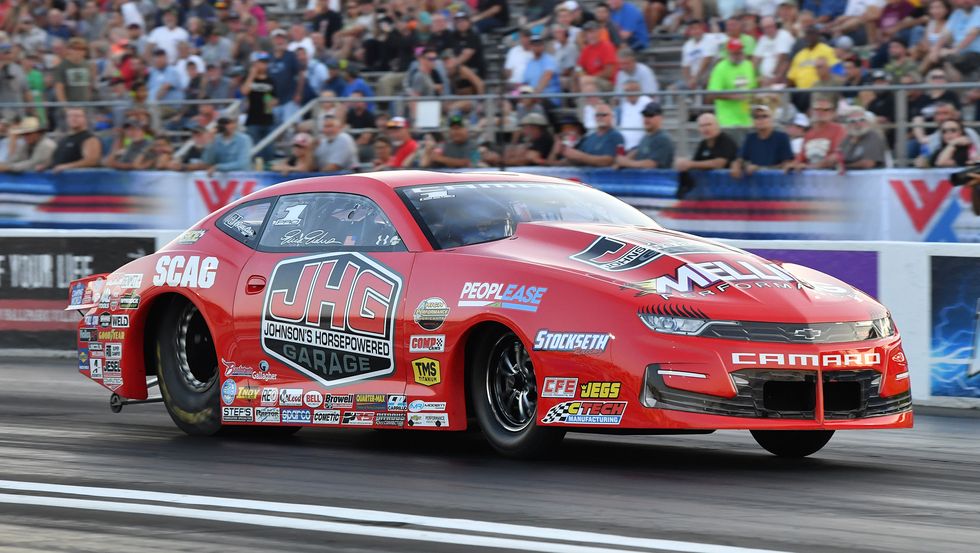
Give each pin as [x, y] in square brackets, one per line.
[318, 314]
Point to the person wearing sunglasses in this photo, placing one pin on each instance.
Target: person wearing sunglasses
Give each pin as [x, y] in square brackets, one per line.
[764, 148]
[599, 147]
[957, 149]
[821, 144]
[864, 147]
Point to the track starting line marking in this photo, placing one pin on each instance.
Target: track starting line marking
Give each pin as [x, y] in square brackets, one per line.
[362, 522]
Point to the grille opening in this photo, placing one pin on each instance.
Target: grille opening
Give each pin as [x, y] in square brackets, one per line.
[841, 396]
[790, 396]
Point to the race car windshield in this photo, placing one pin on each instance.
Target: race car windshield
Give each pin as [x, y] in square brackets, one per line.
[461, 214]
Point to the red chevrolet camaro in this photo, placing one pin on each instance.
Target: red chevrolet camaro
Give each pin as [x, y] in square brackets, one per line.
[530, 306]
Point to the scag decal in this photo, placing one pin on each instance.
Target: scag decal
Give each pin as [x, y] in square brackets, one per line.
[332, 317]
[496, 294]
[600, 390]
[435, 343]
[427, 371]
[586, 412]
[431, 313]
[556, 386]
[863, 359]
[574, 342]
[190, 272]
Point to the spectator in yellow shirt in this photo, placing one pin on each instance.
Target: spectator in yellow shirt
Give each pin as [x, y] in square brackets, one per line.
[803, 68]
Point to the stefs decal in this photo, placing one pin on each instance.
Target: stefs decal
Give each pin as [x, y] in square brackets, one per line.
[332, 317]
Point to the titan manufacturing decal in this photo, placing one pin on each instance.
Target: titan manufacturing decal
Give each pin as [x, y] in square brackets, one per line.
[326, 416]
[497, 294]
[267, 414]
[436, 343]
[228, 392]
[600, 390]
[557, 386]
[424, 420]
[332, 317]
[418, 405]
[358, 418]
[824, 360]
[573, 342]
[431, 313]
[586, 412]
[185, 272]
[428, 371]
[631, 250]
[237, 414]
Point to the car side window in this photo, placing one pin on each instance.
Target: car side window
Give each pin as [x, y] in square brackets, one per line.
[328, 221]
[245, 222]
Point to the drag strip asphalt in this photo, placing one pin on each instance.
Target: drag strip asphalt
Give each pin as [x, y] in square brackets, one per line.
[76, 477]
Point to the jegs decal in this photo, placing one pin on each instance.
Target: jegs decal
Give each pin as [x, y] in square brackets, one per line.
[332, 317]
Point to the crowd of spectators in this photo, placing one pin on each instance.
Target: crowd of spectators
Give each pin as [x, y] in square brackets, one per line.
[173, 69]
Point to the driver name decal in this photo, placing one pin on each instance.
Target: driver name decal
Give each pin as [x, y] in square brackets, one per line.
[332, 317]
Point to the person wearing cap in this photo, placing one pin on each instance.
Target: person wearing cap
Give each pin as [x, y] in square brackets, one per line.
[79, 148]
[468, 45]
[32, 149]
[401, 140]
[864, 147]
[541, 71]
[286, 75]
[764, 147]
[456, 152]
[821, 144]
[301, 157]
[28, 35]
[229, 151]
[164, 81]
[128, 146]
[716, 150]
[772, 52]
[598, 58]
[536, 141]
[733, 73]
[194, 156]
[796, 129]
[259, 89]
[656, 149]
[13, 83]
[734, 31]
[698, 55]
[337, 150]
[632, 25]
[598, 148]
[167, 36]
[491, 14]
[632, 70]
[74, 77]
[217, 48]
[876, 100]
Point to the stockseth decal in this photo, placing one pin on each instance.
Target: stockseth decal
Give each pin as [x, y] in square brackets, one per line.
[496, 294]
[574, 342]
[427, 371]
[424, 420]
[586, 412]
[600, 390]
[332, 317]
[435, 343]
[236, 414]
[623, 252]
[431, 313]
[557, 386]
[190, 272]
[692, 277]
[824, 360]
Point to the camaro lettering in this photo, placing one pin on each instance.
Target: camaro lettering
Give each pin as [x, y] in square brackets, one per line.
[865, 359]
[190, 272]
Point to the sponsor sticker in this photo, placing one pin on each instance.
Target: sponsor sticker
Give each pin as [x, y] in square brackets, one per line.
[326, 416]
[237, 414]
[129, 301]
[301, 416]
[229, 389]
[600, 390]
[371, 402]
[191, 237]
[358, 418]
[431, 313]
[897, 358]
[88, 334]
[710, 277]
[267, 414]
[83, 358]
[120, 321]
[95, 367]
[586, 412]
[269, 396]
[313, 399]
[76, 294]
[397, 403]
[291, 397]
[235, 369]
[390, 419]
[185, 272]
[95, 347]
[332, 317]
[112, 335]
[424, 420]
[338, 401]
[105, 320]
[113, 350]
[126, 281]
[418, 405]
[558, 386]
[112, 375]
[574, 342]
[248, 393]
[631, 250]
[427, 371]
[435, 343]
[497, 294]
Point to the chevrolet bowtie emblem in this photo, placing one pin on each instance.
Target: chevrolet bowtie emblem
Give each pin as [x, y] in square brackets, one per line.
[808, 333]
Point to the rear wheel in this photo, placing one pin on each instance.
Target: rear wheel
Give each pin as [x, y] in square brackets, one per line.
[187, 369]
[504, 393]
[792, 443]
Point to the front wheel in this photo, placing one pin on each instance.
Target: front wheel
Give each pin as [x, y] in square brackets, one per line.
[505, 398]
[792, 443]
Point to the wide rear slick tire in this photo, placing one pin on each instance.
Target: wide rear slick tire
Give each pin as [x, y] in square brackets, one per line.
[187, 369]
[792, 443]
[503, 393]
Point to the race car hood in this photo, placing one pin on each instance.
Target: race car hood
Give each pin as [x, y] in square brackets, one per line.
[657, 268]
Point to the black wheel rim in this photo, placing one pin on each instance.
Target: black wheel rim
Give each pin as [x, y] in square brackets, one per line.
[511, 388]
[195, 350]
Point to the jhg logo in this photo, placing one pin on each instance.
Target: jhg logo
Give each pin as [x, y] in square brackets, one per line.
[332, 316]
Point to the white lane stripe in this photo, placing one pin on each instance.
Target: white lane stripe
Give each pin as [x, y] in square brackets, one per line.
[303, 524]
[365, 515]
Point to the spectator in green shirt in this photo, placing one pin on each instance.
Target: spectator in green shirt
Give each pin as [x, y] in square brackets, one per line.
[734, 73]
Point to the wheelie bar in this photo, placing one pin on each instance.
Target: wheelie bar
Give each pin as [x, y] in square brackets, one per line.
[116, 402]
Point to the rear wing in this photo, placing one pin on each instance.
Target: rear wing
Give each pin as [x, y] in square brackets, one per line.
[85, 293]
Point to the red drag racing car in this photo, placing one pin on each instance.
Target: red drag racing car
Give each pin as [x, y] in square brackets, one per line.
[530, 305]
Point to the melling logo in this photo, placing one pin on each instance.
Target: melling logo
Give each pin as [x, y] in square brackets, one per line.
[332, 317]
[216, 194]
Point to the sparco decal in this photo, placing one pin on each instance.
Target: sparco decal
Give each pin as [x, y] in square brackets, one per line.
[586, 412]
[557, 386]
[431, 313]
[575, 342]
[623, 252]
[190, 272]
[862, 359]
[427, 344]
[497, 294]
[295, 416]
[742, 274]
[332, 317]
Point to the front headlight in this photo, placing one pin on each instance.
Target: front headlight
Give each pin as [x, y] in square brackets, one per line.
[673, 325]
[885, 326]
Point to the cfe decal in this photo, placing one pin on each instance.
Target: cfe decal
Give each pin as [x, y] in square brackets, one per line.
[631, 250]
[332, 317]
[186, 272]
